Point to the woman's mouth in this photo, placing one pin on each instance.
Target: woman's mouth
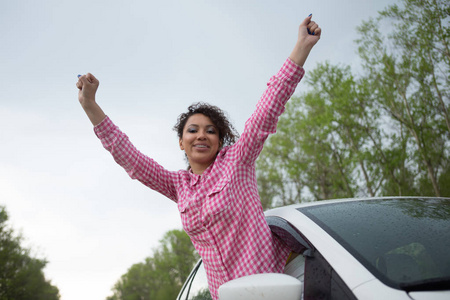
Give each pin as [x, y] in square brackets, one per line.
[201, 146]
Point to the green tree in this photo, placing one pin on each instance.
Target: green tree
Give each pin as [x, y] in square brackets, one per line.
[318, 145]
[162, 275]
[384, 133]
[21, 275]
[407, 67]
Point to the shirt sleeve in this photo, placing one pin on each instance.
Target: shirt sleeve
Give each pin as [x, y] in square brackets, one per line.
[271, 105]
[137, 165]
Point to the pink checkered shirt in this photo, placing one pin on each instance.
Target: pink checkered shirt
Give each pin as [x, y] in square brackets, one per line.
[220, 210]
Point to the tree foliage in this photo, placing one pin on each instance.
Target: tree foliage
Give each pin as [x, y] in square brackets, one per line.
[386, 132]
[21, 275]
[162, 275]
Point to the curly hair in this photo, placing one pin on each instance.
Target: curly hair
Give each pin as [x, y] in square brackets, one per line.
[227, 134]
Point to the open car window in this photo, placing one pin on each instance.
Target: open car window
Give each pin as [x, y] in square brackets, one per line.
[196, 286]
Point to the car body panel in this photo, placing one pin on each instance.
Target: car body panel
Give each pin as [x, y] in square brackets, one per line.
[435, 295]
[367, 290]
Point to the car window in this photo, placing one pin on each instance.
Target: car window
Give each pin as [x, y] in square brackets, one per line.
[296, 266]
[403, 242]
[196, 287]
[322, 281]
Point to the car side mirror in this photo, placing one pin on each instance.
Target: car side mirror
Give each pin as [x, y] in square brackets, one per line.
[269, 286]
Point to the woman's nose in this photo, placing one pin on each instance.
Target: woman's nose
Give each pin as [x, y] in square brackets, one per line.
[201, 135]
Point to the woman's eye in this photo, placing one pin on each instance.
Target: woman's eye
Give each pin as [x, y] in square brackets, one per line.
[211, 131]
[191, 130]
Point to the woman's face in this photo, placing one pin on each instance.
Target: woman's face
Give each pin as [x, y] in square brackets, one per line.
[200, 141]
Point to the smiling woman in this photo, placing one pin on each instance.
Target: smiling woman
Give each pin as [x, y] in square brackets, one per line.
[217, 196]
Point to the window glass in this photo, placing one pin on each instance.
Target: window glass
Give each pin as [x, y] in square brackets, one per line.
[322, 282]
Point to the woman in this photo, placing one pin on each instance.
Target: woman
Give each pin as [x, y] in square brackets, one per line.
[217, 196]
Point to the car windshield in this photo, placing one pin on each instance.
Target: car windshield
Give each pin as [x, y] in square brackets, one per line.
[404, 242]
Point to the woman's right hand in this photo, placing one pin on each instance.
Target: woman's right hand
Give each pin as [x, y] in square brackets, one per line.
[88, 85]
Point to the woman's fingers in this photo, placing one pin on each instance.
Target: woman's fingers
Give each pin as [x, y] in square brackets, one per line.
[306, 20]
[91, 78]
[317, 31]
[87, 79]
[312, 28]
[309, 27]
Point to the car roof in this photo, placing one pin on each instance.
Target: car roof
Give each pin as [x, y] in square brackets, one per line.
[342, 200]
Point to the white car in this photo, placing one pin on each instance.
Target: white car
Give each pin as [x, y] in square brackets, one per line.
[374, 248]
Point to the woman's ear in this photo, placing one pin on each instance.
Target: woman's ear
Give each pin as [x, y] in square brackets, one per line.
[181, 144]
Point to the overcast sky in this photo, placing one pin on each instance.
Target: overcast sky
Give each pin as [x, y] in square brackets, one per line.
[62, 190]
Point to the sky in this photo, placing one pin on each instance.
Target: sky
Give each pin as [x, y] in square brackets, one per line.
[62, 190]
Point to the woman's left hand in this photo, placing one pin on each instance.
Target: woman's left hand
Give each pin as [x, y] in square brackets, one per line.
[309, 31]
[309, 34]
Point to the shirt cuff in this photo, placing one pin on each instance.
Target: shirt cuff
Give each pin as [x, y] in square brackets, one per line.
[290, 71]
[104, 127]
